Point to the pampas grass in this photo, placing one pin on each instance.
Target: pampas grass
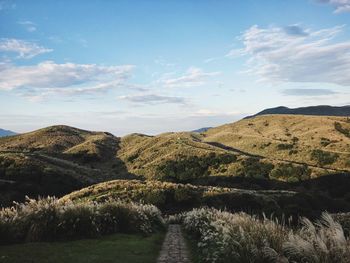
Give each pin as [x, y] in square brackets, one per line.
[226, 237]
[48, 219]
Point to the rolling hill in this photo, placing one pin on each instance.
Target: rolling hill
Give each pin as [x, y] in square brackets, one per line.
[283, 147]
[286, 148]
[55, 161]
[317, 141]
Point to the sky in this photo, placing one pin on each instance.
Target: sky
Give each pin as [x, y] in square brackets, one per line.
[155, 66]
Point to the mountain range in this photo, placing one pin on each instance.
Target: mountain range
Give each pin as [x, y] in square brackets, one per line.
[6, 133]
[321, 110]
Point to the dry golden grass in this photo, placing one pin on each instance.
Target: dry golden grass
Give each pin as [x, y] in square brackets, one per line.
[262, 135]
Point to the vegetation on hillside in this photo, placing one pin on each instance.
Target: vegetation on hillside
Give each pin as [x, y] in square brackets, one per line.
[55, 161]
[174, 198]
[48, 219]
[226, 237]
[59, 159]
[291, 138]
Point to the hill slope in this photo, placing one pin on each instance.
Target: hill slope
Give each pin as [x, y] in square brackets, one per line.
[283, 147]
[173, 198]
[321, 110]
[55, 161]
[289, 148]
[317, 141]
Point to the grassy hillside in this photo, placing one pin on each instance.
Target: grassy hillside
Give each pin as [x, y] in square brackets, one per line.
[55, 161]
[282, 147]
[59, 159]
[314, 140]
[173, 198]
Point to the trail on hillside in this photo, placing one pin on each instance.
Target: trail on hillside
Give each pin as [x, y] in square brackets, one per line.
[174, 249]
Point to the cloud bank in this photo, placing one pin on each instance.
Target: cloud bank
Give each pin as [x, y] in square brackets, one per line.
[47, 78]
[294, 54]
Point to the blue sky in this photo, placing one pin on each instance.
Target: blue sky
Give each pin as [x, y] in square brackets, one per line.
[157, 66]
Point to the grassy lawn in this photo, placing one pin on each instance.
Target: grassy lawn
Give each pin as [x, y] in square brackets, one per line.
[114, 248]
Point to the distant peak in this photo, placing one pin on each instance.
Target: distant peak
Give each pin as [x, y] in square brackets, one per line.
[319, 110]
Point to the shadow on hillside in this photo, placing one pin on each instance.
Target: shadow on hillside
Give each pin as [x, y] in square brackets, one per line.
[311, 198]
[57, 174]
[334, 185]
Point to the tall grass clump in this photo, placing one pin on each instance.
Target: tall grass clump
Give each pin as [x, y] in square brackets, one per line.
[320, 242]
[52, 219]
[226, 237]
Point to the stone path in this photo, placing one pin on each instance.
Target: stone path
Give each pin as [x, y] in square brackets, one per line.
[174, 247]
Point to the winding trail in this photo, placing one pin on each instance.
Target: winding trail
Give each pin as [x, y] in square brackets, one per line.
[174, 248]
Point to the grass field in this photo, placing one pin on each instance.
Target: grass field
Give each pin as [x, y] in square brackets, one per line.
[113, 248]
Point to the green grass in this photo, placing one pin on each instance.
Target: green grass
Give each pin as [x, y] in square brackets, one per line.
[192, 247]
[113, 248]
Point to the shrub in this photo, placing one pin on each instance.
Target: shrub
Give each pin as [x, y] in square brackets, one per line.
[284, 146]
[324, 158]
[338, 127]
[186, 168]
[325, 141]
[253, 168]
[290, 173]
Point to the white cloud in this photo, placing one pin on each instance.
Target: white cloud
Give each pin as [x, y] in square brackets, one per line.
[48, 78]
[48, 74]
[341, 6]
[276, 55]
[153, 99]
[23, 48]
[192, 78]
[28, 25]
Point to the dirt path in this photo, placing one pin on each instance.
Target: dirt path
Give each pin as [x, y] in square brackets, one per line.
[174, 248]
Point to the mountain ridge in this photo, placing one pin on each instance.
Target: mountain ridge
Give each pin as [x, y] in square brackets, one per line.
[4, 133]
[319, 110]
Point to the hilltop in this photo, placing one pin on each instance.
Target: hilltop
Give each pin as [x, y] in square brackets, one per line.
[321, 110]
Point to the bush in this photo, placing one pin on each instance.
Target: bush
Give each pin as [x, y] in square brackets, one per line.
[186, 168]
[52, 219]
[284, 146]
[290, 173]
[324, 158]
[253, 168]
[338, 127]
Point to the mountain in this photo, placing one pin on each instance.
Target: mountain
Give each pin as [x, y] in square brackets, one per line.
[200, 130]
[6, 133]
[321, 110]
